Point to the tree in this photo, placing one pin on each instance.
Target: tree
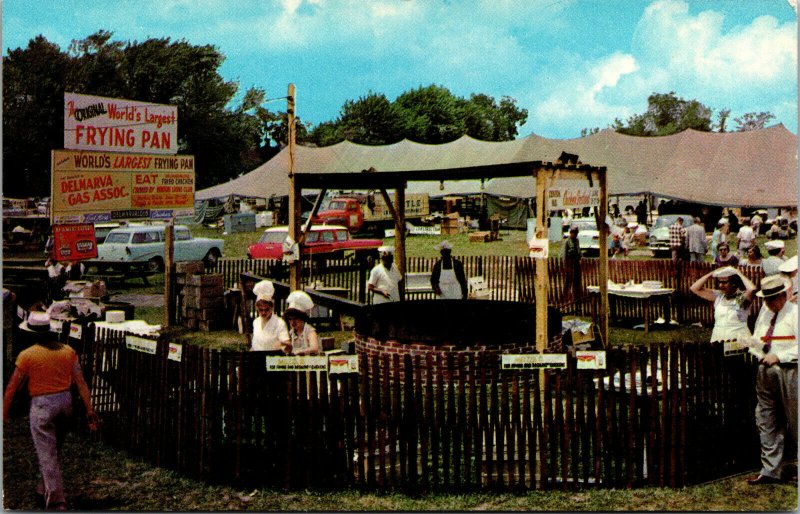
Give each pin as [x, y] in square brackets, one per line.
[224, 141]
[723, 116]
[667, 114]
[589, 131]
[753, 121]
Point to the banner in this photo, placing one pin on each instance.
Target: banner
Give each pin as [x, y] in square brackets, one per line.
[92, 187]
[113, 124]
[572, 194]
[297, 363]
[74, 242]
[533, 361]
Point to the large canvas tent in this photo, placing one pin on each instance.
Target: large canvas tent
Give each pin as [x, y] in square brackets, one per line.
[754, 168]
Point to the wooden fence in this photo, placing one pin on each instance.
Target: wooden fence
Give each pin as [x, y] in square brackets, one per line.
[667, 415]
[512, 278]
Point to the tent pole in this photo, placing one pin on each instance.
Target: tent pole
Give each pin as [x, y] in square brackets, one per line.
[541, 278]
[601, 224]
[295, 209]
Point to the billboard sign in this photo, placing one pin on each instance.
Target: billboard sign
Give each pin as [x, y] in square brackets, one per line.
[112, 124]
[88, 187]
[572, 194]
[74, 242]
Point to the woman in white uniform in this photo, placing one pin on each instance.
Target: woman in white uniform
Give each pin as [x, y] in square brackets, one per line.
[384, 279]
[731, 302]
[447, 277]
[304, 338]
[269, 331]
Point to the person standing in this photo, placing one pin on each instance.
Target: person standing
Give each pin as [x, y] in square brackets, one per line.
[775, 249]
[50, 368]
[788, 272]
[696, 241]
[731, 300]
[448, 279]
[384, 279]
[746, 238]
[719, 236]
[677, 239]
[774, 343]
[269, 331]
[571, 255]
[304, 337]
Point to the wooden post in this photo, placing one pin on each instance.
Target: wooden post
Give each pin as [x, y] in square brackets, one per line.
[400, 235]
[541, 278]
[295, 209]
[169, 256]
[314, 210]
[603, 228]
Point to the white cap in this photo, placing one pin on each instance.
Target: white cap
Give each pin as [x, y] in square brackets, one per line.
[633, 224]
[727, 271]
[264, 290]
[386, 250]
[789, 266]
[299, 300]
[444, 245]
[774, 244]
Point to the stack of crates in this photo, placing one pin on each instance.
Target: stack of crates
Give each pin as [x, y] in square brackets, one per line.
[201, 297]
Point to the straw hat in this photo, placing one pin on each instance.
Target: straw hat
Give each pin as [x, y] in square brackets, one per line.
[264, 290]
[771, 286]
[789, 266]
[727, 271]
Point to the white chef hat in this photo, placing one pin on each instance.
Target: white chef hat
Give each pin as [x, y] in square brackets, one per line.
[774, 244]
[264, 290]
[444, 245]
[389, 250]
[298, 304]
[727, 271]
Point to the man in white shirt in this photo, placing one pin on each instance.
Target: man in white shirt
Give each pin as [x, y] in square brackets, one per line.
[384, 279]
[775, 344]
[775, 249]
[746, 238]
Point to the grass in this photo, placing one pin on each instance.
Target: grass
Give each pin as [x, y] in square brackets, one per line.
[101, 478]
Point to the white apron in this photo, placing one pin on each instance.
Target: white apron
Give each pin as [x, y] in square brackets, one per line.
[448, 283]
[729, 320]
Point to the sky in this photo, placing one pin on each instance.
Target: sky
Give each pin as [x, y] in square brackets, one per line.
[572, 63]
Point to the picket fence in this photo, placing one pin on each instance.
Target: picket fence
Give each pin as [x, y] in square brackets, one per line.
[668, 415]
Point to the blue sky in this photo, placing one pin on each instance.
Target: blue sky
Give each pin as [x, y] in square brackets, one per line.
[571, 63]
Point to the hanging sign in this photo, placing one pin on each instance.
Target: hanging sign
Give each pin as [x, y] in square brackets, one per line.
[338, 364]
[534, 361]
[297, 363]
[118, 125]
[92, 187]
[175, 352]
[572, 194]
[731, 348]
[539, 248]
[74, 242]
[587, 359]
[140, 344]
[75, 330]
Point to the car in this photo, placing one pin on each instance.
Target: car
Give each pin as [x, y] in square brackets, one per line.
[328, 240]
[589, 235]
[142, 246]
[659, 233]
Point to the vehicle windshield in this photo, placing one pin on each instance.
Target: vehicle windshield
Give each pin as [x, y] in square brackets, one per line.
[118, 237]
[337, 206]
[669, 219]
[273, 237]
[584, 224]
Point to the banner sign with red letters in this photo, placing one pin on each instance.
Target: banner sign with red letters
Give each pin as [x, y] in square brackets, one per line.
[74, 242]
[95, 187]
[116, 125]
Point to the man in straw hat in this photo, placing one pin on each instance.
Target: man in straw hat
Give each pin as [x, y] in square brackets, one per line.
[775, 344]
[788, 271]
[384, 279]
[50, 369]
[772, 263]
[447, 277]
[269, 331]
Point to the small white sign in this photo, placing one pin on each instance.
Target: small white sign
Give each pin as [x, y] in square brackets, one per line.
[175, 352]
[140, 344]
[297, 363]
[75, 331]
[56, 325]
[534, 361]
[539, 248]
[587, 359]
[342, 364]
[733, 348]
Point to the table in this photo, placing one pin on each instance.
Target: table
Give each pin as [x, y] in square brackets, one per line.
[638, 291]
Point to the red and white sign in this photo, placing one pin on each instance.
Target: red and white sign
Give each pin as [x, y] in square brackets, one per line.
[74, 242]
[117, 125]
[572, 194]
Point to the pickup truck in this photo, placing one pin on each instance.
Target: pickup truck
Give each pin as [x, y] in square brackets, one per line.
[361, 213]
[142, 246]
[326, 240]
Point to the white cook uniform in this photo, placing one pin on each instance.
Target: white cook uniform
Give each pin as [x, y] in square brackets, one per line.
[448, 283]
[268, 336]
[387, 281]
[729, 319]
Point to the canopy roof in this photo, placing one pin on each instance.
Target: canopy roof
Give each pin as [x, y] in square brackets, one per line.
[754, 168]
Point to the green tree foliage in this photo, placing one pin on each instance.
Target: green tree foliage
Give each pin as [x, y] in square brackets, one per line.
[429, 114]
[666, 114]
[753, 121]
[224, 141]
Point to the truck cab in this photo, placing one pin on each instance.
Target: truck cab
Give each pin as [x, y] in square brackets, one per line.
[344, 211]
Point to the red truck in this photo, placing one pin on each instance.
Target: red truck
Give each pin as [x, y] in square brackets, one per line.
[327, 240]
[368, 212]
